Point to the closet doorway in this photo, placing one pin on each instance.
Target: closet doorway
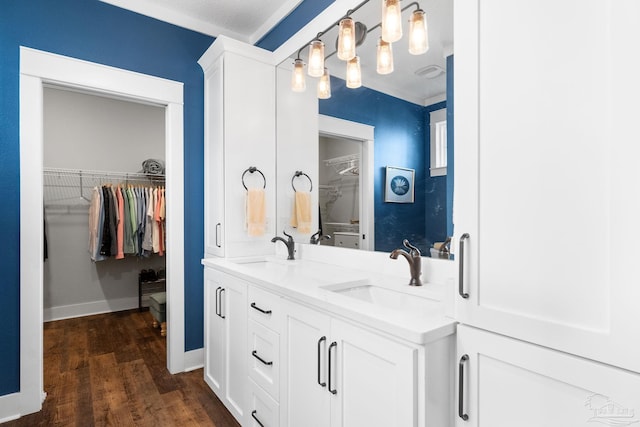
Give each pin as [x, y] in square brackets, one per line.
[346, 183]
[40, 69]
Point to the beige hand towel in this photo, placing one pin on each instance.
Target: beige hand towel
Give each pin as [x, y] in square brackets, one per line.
[256, 219]
[301, 217]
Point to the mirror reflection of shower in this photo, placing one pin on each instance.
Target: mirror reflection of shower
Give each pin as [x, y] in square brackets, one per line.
[339, 195]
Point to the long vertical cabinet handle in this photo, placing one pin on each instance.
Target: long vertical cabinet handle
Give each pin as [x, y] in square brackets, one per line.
[332, 391]
[461, 291]
[218, 227]
[461, 413]
[218, 300]
[221, 301]
[320, 341]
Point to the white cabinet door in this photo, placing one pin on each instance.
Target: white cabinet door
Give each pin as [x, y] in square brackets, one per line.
[214, 155]
[546, 173]
[304, 368]
[337, 374]
[213, 333]
[225, 328]
[507, 382]
[373, 380]
[234, 313]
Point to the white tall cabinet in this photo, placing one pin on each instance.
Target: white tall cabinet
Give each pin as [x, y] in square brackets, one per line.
[240, 133]
[546, 215]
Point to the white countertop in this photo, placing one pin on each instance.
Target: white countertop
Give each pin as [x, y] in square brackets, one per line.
[306, 281]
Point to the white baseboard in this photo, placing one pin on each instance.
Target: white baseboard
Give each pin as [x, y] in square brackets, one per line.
[193, 360]
[89, 308]
[9, 407]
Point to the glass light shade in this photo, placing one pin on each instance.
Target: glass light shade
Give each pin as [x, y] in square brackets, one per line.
[324, 86]
[347, 39]
[391, 21]
[418, 35]
[297, 77]
[316, 59]
[384, 61]
[354, 76]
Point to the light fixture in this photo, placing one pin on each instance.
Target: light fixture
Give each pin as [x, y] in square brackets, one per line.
[418, 35]
[354, 77]
[324, 85]
[347, 39]
[316, 58]
[352, 34]
[384, 62]
[391, 21]
[297, 78]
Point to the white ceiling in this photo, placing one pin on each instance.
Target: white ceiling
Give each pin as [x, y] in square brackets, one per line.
[244, 20]
[250, 20]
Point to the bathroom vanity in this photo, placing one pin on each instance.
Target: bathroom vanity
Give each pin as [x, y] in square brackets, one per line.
[315, 343]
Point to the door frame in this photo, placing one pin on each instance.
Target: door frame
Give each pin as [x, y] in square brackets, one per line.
[334, 127]
[39, 68]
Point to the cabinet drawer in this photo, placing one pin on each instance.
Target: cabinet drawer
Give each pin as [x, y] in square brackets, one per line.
[265, 308]
[263, 410]
[264, 357]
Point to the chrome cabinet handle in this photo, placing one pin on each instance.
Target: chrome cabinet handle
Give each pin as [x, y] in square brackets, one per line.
[332, 391]
[461, 291]
[253, 415]
[320, 341]
[461, 413]
[254, 306]
[254, 353]
[218, 228]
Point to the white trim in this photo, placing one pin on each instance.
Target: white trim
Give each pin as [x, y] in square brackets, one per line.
[9, 406]
[89, 308]
[38, 68]
[275, 18]
[193, 360]
[343, 128]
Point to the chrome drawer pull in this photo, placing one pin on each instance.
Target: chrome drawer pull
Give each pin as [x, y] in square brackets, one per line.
[255, 354]
[253, 305]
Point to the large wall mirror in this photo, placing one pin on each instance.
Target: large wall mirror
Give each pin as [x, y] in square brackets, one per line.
[373, 194]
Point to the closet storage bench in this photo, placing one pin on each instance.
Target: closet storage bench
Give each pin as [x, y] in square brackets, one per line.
[158, 309]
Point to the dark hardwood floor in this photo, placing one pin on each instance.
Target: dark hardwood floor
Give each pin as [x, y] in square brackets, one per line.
[110, 370]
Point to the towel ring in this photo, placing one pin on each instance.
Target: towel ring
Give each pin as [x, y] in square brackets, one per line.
[297, 174]
[253, 169]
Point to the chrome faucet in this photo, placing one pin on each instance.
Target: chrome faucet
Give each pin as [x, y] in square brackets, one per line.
[414, 259]
[317, 237]
[289, 243]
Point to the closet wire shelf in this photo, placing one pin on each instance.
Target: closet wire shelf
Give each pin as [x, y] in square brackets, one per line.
[72, 187]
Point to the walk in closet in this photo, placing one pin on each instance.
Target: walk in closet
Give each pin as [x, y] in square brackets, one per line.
[92, 141]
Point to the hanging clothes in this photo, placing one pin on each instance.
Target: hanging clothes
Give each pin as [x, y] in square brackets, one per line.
[126, 220]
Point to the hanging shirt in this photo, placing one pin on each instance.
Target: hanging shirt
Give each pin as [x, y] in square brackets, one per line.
[105, 247]
[120, 231]
[155, 236]
[147, 242]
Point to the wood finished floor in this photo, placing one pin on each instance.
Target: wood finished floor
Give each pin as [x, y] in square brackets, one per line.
[110, 370]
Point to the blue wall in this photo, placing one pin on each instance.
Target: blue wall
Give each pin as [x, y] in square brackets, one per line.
[97, 32]
[401, 139]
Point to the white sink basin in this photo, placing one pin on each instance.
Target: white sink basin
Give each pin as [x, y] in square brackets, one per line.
[366, 291]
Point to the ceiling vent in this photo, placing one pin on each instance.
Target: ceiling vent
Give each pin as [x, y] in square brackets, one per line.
[430, 71]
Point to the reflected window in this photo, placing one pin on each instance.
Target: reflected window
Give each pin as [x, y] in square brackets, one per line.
[438, 124]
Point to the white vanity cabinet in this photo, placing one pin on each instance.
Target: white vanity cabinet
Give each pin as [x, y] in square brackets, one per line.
[508, 382]
[239, 84]
[225, 346]
[339, 374]
[546, 212]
